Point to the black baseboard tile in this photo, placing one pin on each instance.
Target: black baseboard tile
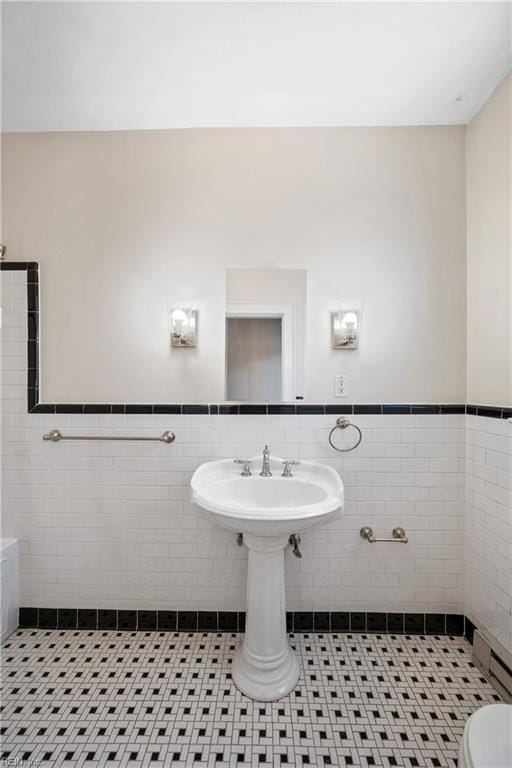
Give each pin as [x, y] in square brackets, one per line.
[234, 621]
[207, 621]
[303, 621]
[376, 622]
[107, 619]
[28, 617]
[67, 618]
[414, 623]
[455, 624]
[167, 621]
[340, 621]
[187, 621]
[435, 623]
[321, 621]
[87, 618]
[228, 621]
[395, 623]
[146, 621]
[47, 618]
[358, 622]
[127, 620]
[469, 630]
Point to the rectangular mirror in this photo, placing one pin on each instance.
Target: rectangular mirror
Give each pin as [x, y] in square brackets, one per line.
[265, 334]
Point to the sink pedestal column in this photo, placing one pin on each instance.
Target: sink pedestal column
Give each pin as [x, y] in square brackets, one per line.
[265, 668]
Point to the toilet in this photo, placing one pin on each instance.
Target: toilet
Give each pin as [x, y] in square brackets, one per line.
[487, 738]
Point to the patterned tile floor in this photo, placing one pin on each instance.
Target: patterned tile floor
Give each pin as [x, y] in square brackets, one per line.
[119, 699]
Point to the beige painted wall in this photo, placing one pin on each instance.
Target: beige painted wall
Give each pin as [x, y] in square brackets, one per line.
[488, 152]
[120, 222]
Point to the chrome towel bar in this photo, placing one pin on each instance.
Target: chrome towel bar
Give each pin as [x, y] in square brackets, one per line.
[398, 534]
[55, 435]
[343, 423]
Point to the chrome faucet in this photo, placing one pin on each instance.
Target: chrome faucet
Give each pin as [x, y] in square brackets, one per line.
[265, 467]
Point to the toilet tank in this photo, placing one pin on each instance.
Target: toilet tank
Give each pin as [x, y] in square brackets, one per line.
[9, 587]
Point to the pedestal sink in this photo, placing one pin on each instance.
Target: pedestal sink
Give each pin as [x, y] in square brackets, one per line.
[267, 510]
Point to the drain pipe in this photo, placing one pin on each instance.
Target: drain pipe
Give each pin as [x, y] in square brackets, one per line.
[294, 542]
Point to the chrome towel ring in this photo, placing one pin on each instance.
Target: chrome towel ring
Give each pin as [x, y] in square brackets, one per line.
[343, 423]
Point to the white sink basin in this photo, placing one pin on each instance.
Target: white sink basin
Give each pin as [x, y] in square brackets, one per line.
[267, 510]
[267, 506]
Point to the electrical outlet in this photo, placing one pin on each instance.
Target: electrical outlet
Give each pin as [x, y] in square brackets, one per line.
[341, 385]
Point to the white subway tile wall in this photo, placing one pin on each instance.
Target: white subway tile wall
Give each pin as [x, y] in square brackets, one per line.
[111, 524]
[488, 566]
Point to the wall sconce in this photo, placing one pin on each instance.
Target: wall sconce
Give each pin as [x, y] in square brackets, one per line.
[183, 327]
[346, 325]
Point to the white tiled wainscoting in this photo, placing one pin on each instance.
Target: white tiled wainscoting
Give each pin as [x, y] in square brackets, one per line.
[488, 566]
[111, 525]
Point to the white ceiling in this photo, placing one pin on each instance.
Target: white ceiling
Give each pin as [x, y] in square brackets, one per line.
[113, 66]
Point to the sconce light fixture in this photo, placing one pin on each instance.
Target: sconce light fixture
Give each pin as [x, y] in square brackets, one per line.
[346, 325]
[183, 327]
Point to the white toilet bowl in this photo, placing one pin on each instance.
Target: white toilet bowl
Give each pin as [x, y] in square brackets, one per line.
[487, 739]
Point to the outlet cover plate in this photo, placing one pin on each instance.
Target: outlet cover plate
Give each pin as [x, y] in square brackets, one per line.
[341, 385]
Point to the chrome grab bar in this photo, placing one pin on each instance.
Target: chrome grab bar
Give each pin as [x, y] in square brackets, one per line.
[55, 435]
[398, 534]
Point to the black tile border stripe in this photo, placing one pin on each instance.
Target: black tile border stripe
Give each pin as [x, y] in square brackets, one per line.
[251, 409]
[233, 409]
[234, 621]
[489, 411]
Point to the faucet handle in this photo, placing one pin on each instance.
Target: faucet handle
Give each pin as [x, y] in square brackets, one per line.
[246, 469]
[287, 464]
